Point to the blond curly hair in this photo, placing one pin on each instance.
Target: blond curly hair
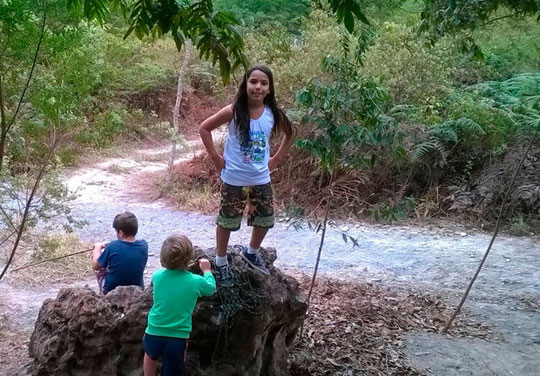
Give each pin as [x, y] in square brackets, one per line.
[176, 252]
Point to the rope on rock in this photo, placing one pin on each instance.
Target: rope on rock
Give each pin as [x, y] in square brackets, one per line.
[241, 296]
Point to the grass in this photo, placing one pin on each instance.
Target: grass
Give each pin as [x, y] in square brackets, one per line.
[192, 196]
[67, 269]
[119, 170]
[520, 225]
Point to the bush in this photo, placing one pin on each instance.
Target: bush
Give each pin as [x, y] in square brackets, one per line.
[414, 74]
[295, 60]
[105, 126]
[511, 47]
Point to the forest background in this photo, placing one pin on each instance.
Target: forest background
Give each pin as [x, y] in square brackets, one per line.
[425, 125]
[411, 114]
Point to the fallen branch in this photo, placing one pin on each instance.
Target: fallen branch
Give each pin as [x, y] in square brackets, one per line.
[52, 259]
[503, 206]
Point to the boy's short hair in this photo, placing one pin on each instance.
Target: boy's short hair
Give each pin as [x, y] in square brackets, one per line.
[176, 252]
[127, 223]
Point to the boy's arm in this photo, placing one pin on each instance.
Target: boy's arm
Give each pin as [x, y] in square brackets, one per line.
[208, 283]
[96, 252]
[284, 148]
[223, 116]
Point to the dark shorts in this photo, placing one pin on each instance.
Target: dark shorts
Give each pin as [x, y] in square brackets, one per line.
[172, 352]
[233, 202]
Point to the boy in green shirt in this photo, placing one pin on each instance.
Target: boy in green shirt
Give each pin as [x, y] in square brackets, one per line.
[175, 294]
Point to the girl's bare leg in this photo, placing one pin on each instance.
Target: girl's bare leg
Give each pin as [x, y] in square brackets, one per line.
[149, 366]
[257, 236]
[222, 240]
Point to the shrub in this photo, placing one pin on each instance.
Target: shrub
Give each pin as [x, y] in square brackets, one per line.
[414, 74]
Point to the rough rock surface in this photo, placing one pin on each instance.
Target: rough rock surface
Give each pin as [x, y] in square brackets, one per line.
[485, 192]
[243, 330]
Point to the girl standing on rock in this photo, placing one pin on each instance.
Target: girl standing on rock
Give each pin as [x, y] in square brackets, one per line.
[246, 164]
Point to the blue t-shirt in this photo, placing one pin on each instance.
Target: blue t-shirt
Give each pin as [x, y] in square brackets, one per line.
[125, 262]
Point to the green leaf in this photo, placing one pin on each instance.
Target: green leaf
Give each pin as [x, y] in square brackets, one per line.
[349, 21]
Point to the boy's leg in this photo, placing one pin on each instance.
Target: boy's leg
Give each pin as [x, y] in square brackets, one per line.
[174, 356]
[149, 366]
[100, 274]
[153, 349]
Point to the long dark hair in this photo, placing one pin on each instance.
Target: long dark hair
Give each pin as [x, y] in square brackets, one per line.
[241, 112]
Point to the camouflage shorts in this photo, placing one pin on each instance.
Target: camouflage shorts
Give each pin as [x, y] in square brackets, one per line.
[233, 203]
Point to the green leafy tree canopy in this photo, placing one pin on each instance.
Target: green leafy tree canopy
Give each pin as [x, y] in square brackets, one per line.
[212, 32]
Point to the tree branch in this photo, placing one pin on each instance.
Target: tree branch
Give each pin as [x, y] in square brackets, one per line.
[27, 208]
[8, 219]
[52, 259]
[498, 18]
[30, 74]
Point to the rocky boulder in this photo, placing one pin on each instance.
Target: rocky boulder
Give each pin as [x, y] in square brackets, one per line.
[243, 330]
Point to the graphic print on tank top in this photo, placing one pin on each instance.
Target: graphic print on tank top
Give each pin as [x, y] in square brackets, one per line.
[254, 152]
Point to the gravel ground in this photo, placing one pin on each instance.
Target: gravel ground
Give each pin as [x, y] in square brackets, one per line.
[506, 296]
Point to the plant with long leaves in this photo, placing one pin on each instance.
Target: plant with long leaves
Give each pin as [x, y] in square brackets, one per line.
[349, 112]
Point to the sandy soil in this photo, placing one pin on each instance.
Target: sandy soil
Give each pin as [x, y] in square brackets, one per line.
[506, 297]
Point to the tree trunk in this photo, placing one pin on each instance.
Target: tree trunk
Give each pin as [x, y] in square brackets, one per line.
[3, 122]
[176, 111]
[5, 125]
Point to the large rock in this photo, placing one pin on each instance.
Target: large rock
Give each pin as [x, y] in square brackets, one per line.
[244, 330]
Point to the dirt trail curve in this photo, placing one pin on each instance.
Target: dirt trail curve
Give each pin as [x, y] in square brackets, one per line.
[506, 296]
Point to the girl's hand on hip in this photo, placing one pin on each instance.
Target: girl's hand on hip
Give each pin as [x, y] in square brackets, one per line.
[272, 164]
[219, 162]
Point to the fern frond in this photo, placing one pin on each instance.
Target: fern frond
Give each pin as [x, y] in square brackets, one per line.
[427, 147]
[470, 126]
[445, 132]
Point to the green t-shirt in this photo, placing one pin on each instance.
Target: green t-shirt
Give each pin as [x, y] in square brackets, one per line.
[175, 296]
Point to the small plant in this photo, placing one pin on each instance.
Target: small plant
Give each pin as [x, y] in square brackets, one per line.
[520, 226]
[393, 212]
[106, 126]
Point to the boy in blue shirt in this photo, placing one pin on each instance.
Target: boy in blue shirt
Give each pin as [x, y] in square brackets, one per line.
[176, 291]
[121, 262]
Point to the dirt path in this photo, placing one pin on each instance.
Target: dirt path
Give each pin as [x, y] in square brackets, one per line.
[434, 260]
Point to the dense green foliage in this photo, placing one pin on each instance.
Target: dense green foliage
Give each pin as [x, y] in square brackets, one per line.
[213, 33]
[254, 13]
[440, 114]
[349, 114]
[79, 73]
[450, 114]
[440, 17]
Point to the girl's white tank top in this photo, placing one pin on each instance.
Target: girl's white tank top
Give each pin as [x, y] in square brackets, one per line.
[249, 166]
